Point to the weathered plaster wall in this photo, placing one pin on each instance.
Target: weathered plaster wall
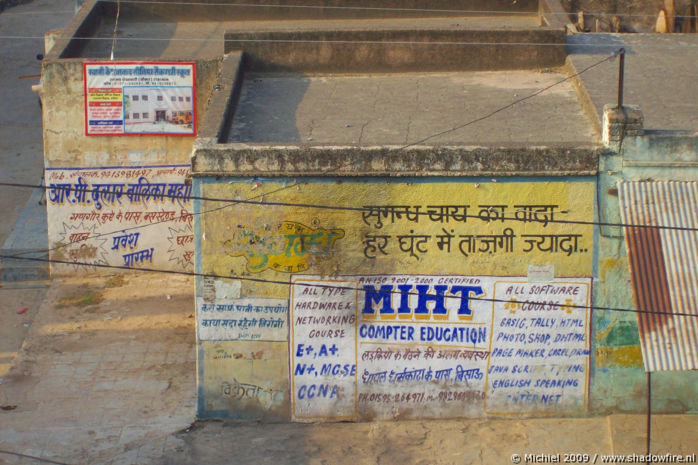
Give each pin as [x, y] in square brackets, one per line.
[323, 9]
[252, 365]
[65, 142]
[619, 381]
[398, 50]
[241, 376]
[82, 227]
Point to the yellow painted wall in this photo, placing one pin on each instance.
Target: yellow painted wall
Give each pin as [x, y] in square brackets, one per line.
[273, 241]
[235, 233]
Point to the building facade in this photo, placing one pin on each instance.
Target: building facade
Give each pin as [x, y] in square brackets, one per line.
[387, 220]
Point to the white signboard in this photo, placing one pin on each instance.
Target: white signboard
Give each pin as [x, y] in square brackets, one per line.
[137, 98]
[540, 347]
[134, 217]
[242, 319]
[323, 349]
[437, 346]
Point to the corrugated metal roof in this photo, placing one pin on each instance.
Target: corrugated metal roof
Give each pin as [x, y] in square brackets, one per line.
[664, 269]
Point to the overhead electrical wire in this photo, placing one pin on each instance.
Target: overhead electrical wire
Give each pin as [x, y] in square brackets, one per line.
[593, 46]
[232, 202]
[364, 209]
[335, 286]
[292, 41]
[141, 226]
[329, 172]
[505, 107]
[474, 13]
[32, 457]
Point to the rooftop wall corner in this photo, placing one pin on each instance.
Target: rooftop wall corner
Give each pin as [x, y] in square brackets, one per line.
[552, 14]
[69, 43]
[223, 99]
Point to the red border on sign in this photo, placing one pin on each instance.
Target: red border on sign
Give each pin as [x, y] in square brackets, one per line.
[112, 63]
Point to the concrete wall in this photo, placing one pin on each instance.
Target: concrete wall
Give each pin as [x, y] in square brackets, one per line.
[619, 381]
[86, 227]
[322, 9]
[316, 350]
[277, 270]
[398, 50]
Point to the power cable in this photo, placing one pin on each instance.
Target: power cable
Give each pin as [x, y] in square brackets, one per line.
[333, 286]
[116, 25]
[131, 228]
[461, 126]
[363, 209]
[22, 13]
[369, 209]
[327, 173]
[32, 457]
[475, 13]
[683, 45]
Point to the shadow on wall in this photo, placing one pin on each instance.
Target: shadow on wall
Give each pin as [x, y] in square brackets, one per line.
[267, 109]
[595, 44]
[126, 45]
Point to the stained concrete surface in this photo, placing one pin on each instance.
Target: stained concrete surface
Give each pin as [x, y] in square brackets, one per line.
[23, 221]
[442, 442]
[112, 381]
[380, 109]
[106, 373]
[18, 307]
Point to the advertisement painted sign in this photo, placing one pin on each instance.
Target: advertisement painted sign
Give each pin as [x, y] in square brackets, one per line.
[139, 98]
[133, 217]
[398, 346]
[242, 319]
[409, 298]
[497, 228]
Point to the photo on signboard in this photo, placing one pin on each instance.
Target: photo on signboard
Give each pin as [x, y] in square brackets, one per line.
[150, 110]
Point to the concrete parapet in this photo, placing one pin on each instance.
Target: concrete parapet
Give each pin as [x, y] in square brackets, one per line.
[223, 100]
[207, 10]
[399, 50]
[299, 160]
[621, 122]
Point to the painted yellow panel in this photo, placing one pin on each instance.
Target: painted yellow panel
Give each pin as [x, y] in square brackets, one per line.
[619, 357]
[463, 228]
[249, 379]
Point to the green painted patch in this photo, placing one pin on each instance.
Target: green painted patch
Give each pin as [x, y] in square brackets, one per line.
[619, 333]
[90, 298]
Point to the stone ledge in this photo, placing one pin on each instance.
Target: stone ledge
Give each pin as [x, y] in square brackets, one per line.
[282, 161]
[621, 122]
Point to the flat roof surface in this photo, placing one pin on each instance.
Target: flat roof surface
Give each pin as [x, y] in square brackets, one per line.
[191, 40]
[378, 109]
[661, 76]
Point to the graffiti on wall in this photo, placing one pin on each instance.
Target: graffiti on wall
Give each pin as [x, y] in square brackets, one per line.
[451, 218]
[239, 375]
[397, 346]
[131, 217]
[287, 248]
[391, 226]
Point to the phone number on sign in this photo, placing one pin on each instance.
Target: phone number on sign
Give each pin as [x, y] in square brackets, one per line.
[417, 397]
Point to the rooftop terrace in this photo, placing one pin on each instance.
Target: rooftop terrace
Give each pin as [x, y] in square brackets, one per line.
[396, 109]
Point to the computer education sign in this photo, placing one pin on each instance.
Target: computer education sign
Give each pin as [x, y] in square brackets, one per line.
[146, 98]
